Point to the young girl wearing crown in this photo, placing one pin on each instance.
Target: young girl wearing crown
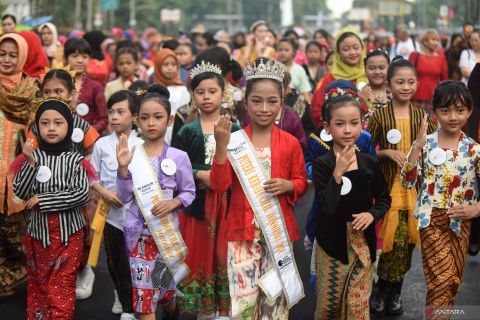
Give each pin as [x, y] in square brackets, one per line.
[204, 221]
[264, 168]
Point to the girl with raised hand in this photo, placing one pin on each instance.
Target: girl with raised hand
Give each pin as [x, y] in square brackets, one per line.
[155, 199]
[352, 194]
[264, 168]
[447, 161]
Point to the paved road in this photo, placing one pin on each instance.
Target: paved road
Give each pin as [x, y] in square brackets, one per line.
[99, 305]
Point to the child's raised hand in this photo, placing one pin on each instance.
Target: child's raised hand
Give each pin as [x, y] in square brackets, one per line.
[278, 186]
[28, 152]
[361, 221]
[345, 159]
[422, 134]
[222, 130]
[124, 156]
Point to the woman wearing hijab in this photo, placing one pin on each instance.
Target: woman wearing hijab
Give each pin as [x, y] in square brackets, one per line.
[37, 60]
[348, 65]
[17, 92]
[166, 73]
[51, 45]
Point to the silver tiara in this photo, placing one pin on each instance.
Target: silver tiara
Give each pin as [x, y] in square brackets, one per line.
[270, 70]
[204, 67]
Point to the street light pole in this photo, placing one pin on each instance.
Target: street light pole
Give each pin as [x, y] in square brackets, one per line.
[78, 7]
[132, 20]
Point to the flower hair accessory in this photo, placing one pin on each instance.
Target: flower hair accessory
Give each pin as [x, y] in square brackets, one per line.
[338, 92]
[141, 93]
[205, 67]
[270, 70]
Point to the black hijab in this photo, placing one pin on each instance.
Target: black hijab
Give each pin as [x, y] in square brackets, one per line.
[62, 108]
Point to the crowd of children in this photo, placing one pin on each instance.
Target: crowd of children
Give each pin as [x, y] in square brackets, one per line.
[190, 169]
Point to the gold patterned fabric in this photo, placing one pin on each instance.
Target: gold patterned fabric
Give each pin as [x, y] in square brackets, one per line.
[19, 103]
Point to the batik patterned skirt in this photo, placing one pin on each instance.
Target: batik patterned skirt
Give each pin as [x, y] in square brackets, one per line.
[248, 261]
[343, 290]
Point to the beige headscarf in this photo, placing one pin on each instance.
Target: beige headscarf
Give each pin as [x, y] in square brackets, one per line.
[11, 81]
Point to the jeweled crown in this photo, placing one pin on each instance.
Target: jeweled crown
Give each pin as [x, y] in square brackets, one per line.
[270, 70]
[203, 67]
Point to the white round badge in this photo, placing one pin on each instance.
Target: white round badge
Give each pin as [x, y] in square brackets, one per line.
[346, 186]
[394, 136]
[361, 85]
[77, 135]
[112, 164]
[168, 167]
[82, 109]
[44, 174]
[325, 136]
[437, 156]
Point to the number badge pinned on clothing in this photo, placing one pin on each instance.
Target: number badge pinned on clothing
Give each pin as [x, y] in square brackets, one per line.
[44, 174]
[77, 135]
[82, 109]
[394, 136]
[325, 136]
[112, 164]
[437, 156]
[346, 186]
[168, 167]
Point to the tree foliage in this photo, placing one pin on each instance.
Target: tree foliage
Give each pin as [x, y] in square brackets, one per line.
[193, 11]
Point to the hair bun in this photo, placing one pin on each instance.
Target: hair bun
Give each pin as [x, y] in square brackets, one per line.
[160, 90]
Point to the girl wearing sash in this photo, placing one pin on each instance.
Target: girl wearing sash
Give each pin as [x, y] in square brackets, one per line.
[17, 93]
[347, 183]
[278, 157]
[53, 181]
[152, 280]
[203, 224]
[122, 108]
[393, 129]
[447, 162]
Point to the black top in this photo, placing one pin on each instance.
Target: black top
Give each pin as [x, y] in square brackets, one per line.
[335, 210]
